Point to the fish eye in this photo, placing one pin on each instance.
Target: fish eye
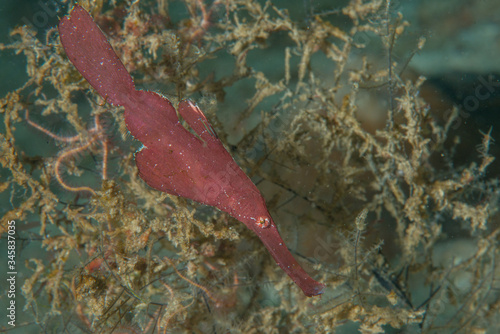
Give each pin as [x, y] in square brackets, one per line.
[263, 222]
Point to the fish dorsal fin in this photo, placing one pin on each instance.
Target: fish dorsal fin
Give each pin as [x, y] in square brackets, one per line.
[197, 121]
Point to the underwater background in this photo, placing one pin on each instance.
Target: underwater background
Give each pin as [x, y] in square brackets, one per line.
[369, 127]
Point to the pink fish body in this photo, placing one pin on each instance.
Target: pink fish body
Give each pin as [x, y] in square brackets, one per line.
[172, 159]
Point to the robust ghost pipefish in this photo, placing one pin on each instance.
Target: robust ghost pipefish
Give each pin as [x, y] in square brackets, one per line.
[172, 159]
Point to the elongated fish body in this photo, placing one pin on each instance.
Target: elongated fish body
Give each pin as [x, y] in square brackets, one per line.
[172, 159]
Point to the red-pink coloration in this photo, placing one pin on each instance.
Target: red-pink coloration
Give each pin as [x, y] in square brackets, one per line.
[174, 160]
